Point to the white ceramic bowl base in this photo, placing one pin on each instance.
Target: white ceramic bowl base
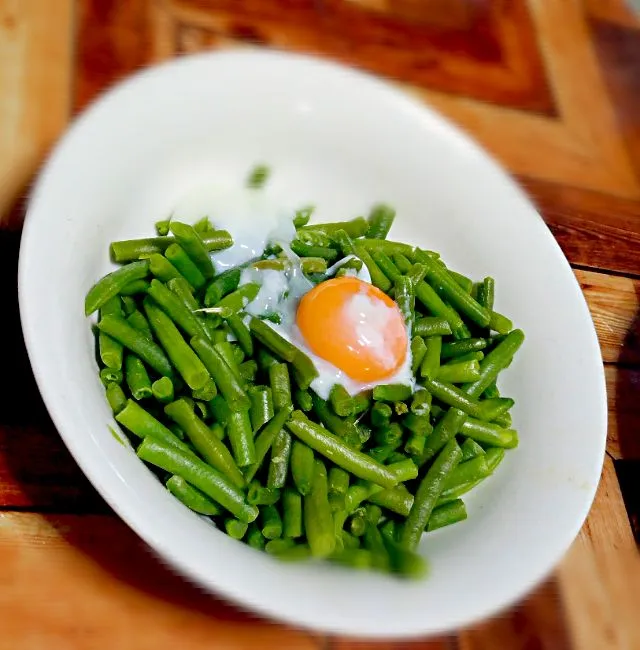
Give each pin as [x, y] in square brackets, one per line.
[342, 141]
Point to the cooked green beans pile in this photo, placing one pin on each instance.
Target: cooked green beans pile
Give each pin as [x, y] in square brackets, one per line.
[220, 407]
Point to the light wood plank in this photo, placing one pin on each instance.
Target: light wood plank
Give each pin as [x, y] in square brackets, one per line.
[614, 302]
[36, 41]
[600, 576]
[88, 582]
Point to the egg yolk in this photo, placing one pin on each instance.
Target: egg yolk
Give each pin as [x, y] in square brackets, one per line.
[354, 326]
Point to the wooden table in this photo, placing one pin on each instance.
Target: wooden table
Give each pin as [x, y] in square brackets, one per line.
[551, 87]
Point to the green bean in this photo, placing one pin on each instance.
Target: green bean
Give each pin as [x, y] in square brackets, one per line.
[304, 372]
[338, 481]
[491, 390]
[380, 222]
[225, 351]
[308, 250]
[236, 301]
[432, 301]
[206, 393]
[332, 447]
[358, 523]
[206, 444]
[110, 350]
[144, 425]
[214, 484]
[419, 425]
[272, 340]
[460, 348]
[448, 289]
[261, 410]
[176, 310]
[381, 414]
[286, 549]
[134, 288]
[259, 495]
[431, 326]
[116, 397]
[355, 558]
[191, 497]
[405, 299]
[226, 381]
[280, 385]
[470, 449]
[418, 350]
[397, 499]
[374, 542]
[344, 429]
[503, 420]
[341, 401]
[421, 402]
[428, 493]
[470, 356]
[400, 408]
[303, 216]
[241, 438]
[255, 538]
[128, 305]
[416, 273]
[302, 463]
[386, 265]
[354, 227]
[135, 249]
[361, 403]
[460, 372]
[222, 285]
[403, 263]
[112, 283]
[192, 245]
[447, 514]
[489, 434]
[265, 439]
[486, 293]
[303, 399]
[467, 472]
[446, 429]
[248, 371]
[391, 248]
[217, 430]
[494, 362]
[217, 240]
[162, 227]
[291, 513]
[271, 522]
[185, 360]
[344, 242]
[390, 435]
[242, 334]
[431, 360]
[258, 176]
[378, 278]
[234, 528]
[415, 444]
[185, 265]
[456, 397]
[219, 410]
[499, 323]
[203, 225]
[137, 377]
[139, 321]
[493, 458]
[382, 452]
[134, 340]
[391, 392]
[279, 465]
[318, 521]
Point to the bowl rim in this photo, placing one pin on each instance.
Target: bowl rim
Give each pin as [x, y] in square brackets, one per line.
[97, 475]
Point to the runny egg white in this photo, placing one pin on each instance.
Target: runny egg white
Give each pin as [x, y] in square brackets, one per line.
[353, 333]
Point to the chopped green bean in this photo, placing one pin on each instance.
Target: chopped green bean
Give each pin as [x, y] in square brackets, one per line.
[111, 284]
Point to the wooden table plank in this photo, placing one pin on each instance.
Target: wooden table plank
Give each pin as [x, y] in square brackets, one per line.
[85, 582]
[600, 576]
[35, 84]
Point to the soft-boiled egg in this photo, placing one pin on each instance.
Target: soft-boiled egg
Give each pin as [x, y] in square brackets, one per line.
[354, 326]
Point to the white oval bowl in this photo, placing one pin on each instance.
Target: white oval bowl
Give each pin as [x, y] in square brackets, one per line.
[341, 140]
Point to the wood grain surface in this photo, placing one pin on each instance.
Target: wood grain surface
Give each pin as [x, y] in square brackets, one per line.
[551, 88]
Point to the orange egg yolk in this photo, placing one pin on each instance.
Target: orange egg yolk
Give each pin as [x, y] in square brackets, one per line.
[354, 326]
